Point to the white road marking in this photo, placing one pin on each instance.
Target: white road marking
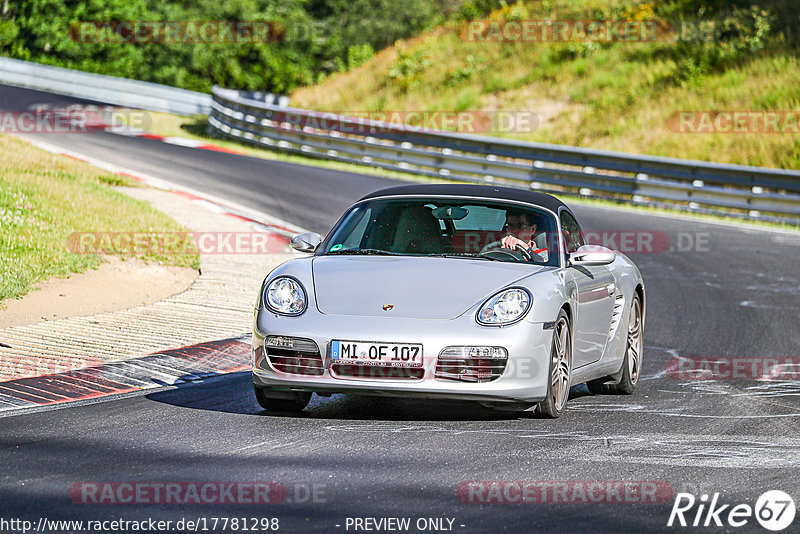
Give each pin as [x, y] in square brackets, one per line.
[183, 141]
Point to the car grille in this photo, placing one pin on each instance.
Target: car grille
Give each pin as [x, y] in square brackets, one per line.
[340, 370]
[470, 369]
[294, 356]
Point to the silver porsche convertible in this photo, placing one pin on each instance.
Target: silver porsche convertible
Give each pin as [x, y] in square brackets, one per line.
[475, 293]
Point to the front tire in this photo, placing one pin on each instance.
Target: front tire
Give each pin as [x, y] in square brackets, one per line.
[291, 402]
[632, 363]
[560, 370]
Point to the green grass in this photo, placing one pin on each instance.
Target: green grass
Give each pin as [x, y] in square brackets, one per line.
[44, 198]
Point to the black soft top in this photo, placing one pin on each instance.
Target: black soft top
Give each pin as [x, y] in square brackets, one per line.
[464, 190]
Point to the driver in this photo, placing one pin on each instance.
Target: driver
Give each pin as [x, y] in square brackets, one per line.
[520, 232]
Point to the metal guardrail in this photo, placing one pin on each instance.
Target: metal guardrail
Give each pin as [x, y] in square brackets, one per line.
[107, 89]
[756, 192]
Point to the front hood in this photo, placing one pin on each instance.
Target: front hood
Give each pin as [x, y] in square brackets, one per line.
[415, 287]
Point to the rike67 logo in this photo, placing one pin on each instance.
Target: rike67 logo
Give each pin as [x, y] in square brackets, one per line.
[774, 510]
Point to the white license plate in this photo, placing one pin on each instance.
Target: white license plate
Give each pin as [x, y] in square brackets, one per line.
[386, 354]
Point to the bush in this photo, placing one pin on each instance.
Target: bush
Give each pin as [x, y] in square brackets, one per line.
[405, 73]
[476, 9]
[465, 72]
[357, 55]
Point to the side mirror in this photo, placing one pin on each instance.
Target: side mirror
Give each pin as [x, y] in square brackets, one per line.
[592, 255]
[307, 242]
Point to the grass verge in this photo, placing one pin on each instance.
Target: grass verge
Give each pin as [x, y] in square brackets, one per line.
[44, 198]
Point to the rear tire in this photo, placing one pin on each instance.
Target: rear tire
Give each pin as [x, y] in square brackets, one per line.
[291, 403]
[558, 382]
[631, 364]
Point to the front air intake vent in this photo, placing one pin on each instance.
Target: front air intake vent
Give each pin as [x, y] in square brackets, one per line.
[293, 355]
[471, 364]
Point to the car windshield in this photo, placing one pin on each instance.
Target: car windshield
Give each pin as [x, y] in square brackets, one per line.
[457, 228]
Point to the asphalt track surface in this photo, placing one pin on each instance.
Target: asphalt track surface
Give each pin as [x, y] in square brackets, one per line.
[735, 292]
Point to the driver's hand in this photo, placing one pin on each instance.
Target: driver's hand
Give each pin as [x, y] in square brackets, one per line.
[512, 242]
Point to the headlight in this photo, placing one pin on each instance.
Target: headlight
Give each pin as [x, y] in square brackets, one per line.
[286, 296]
[506, 307]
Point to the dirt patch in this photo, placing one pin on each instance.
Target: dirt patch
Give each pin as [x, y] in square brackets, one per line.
[115, 285]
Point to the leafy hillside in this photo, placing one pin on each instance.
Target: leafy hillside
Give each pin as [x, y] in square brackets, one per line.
[613, 95]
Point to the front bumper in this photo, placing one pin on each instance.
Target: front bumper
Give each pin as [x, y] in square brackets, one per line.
[523, 380]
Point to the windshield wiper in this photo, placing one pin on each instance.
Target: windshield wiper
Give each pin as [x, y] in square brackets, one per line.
[470, 255]
[365, 251]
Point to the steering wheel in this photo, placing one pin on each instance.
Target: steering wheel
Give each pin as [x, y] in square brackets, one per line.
[517, 253]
